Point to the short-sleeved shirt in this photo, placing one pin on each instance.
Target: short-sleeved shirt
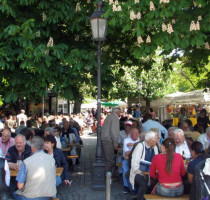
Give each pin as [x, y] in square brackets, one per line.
[193, 163]
[128, 148]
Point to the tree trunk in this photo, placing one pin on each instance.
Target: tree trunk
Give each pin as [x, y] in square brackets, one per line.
[147, 105]
[77, 106]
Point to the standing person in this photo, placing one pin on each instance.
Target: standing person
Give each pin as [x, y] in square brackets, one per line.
[169, 177]
[149, 123]
[37, 175]
[6, 141]
[151, 112]
[10, 123]
[109, 137]
[21, 117]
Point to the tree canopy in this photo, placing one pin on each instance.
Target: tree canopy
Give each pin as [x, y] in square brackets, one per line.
[47, 44]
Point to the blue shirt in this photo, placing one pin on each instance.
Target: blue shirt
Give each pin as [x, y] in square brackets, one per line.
[22, 174]
[154, 124]
[193, 163]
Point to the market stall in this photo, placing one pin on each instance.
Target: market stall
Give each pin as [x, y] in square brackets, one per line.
[169, 107]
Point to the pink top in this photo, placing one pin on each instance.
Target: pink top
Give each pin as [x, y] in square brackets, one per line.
[5, 147]
[158, 169]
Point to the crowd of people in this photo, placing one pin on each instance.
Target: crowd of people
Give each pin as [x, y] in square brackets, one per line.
[152, 157]
[156, 158]
[33, 147]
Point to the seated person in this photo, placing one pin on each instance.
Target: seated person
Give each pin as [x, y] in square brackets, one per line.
[6, 141]
[60, 160]
[57, 136]
[123, 135]
[205, 138]
[36, 177]
[169, 177]
[171, 132]
[181, 144]
[199, 190]
[20, 151]
[4, 178]
[128, 145]
[189, 133]
[143, 152]
[197, 152]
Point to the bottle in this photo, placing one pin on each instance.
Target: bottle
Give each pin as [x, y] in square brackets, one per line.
[184, 158]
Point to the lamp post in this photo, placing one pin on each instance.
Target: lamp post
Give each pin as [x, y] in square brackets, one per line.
[140, 88]
[98, 26]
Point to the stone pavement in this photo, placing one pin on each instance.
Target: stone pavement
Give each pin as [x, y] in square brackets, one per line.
[81, 177]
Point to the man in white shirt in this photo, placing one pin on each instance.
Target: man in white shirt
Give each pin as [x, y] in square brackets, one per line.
[21, 117]
[181, 144]
[127, 147]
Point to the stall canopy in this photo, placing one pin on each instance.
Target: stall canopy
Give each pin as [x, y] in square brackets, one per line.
[191, 98]
[114, 103]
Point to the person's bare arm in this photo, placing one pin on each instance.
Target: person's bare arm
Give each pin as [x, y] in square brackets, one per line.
[13, 166]
[20, 185]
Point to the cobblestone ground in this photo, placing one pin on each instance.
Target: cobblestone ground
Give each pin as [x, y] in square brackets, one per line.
[81, 176]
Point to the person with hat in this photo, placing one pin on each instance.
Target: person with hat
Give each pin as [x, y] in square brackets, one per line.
[125, 133]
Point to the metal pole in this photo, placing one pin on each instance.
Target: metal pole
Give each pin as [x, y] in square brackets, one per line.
[42, 107]
[99, 165]
[108, 185]
[99, 148]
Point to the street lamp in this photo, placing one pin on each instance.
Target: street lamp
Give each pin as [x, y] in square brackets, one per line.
[98, 26]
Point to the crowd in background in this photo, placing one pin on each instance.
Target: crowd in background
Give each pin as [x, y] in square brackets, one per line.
[156, 142]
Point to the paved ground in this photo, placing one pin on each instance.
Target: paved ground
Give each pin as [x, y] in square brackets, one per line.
[81, 188]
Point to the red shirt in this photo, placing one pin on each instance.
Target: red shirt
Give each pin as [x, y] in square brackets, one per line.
[158, 169]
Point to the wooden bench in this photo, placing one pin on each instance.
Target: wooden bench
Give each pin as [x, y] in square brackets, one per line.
[151, 197]
[72, 156]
